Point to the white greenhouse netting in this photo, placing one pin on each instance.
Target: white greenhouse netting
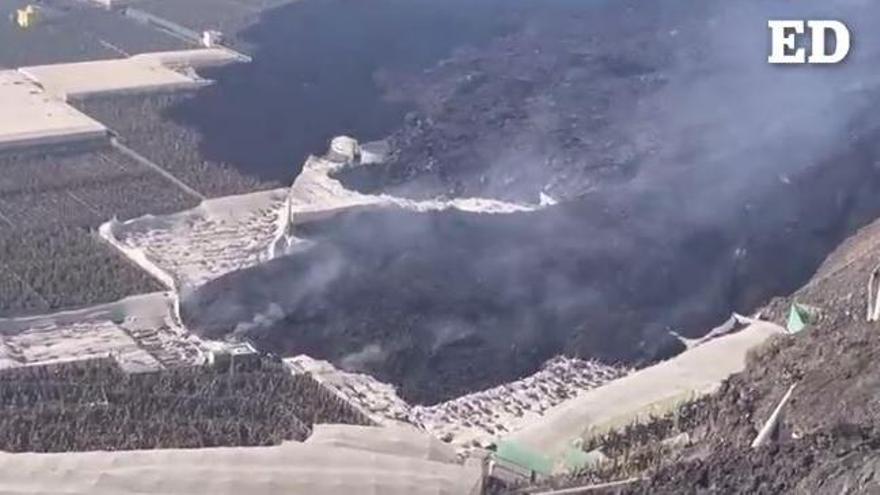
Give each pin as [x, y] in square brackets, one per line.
[289, 469]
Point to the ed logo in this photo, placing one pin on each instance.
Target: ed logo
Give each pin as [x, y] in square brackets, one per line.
[785, 36]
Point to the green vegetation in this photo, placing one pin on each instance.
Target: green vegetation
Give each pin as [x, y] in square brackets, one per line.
[50, 207]
[94, 405]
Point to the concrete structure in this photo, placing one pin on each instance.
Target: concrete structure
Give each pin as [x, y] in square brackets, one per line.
[161, 71]
[31, 117]
[345, 149]
[321, 467]
[647, 392]
[26, 17]
[234, 355]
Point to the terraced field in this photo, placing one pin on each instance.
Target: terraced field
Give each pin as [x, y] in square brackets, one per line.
[50, 205]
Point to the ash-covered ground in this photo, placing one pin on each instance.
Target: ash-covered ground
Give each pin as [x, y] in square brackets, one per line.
[51, 203]
[693, 179]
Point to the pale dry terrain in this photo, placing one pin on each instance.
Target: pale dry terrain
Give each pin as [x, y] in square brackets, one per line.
[197, 245]
[141, 333]
[473, 420]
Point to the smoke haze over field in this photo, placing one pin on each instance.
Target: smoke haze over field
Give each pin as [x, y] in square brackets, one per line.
[732, 118]
[694, 179]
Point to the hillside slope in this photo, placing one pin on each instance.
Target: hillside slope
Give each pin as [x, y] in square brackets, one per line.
[827, 441]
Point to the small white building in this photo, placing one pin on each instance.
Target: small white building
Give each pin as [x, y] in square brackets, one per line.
[344, 148]
[211, 39]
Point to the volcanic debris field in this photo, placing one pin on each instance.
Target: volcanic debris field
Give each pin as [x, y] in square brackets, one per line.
[689, 185]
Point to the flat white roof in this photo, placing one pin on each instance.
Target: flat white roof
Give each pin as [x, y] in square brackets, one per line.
[29, 116]
[139, 73]
[106, 76]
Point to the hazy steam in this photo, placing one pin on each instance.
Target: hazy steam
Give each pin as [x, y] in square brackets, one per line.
[723, 181]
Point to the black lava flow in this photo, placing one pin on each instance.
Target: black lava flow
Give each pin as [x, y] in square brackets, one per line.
[316, 73]
[697, 223]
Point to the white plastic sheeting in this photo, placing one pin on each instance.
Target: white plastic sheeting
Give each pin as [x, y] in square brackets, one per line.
[289, 469]
[649, 391]
[397, 440]
[140, 73]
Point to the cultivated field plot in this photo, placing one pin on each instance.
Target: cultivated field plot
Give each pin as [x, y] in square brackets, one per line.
[94, 405]
[70, 31]
[63, 267]
[217, 237]
[474, 419]
[31, 117]
[142, 123]
[85, 340]
[227, 234]
[81, 187]
[50, 204]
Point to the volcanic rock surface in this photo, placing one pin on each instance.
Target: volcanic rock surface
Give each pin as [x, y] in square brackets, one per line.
[692, 178]
[827, 441]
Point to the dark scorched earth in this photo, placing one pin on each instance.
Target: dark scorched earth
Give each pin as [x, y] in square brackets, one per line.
[692, 180]
[827, 440]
